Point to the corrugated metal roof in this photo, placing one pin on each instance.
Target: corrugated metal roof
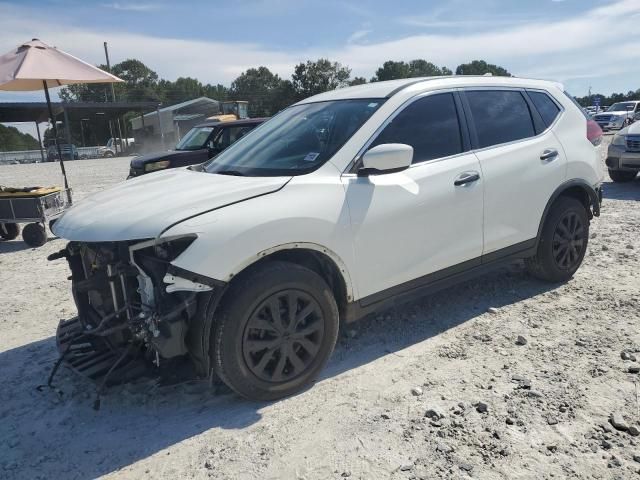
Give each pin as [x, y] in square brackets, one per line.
[187, 116]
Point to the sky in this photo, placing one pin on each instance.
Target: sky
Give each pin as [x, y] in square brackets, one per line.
[582, 43]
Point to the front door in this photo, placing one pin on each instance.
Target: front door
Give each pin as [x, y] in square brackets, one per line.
[409, 224]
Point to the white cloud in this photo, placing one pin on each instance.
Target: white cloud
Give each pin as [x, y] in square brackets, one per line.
[132, 7]
[358, 35]
[559, 49]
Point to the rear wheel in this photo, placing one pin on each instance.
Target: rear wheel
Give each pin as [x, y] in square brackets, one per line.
[621, 176]
[275, 331]
[9, 231]
[563, 242]
[34, 235]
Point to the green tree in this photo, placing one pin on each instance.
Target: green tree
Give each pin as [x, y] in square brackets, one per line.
[217, 92]
[12, 139]
[183, 89]
[607, 100]
[358, 81]
[311, 78]
[480, 67]
[87, 92]
[140, 82]
[284, 96]
[392, 70]
[261, 88]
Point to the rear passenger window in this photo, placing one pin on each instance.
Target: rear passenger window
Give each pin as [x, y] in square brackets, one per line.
[430, 125]
[546, 107]
[500, 116]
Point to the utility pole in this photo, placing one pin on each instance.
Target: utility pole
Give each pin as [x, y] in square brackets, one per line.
[113, 95]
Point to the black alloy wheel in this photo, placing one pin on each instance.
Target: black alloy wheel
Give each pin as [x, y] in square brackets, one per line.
[568, 241]
[562, 243]
[274, 330]
[283, 336]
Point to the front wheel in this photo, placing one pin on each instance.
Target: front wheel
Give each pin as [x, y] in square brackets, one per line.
[562, 243]
[622, 176]
[275, 331]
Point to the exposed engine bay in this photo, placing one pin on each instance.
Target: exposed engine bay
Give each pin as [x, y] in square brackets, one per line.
[135, 309]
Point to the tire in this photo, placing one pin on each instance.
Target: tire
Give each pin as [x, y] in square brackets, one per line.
[563, 242]
[622, 176]
[9, 231]
[34, 235]
[262, 360]
[108, 155]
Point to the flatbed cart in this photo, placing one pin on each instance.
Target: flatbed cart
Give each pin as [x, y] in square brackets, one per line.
[36, 207]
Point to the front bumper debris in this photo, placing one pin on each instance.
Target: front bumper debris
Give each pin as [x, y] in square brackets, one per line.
[92, 357]
[136, 311]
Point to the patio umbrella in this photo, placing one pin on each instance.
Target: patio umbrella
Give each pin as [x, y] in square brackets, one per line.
[35, 65]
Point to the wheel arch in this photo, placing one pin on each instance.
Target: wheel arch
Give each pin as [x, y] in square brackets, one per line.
[578, 189]
[318, 258]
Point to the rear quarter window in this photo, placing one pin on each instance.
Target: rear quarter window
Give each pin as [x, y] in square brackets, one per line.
[546, 107]
[500, 116]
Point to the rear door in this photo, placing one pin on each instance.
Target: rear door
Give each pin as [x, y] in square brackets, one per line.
[521, 159]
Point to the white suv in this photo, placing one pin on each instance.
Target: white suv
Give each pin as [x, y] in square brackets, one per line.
[342, 204]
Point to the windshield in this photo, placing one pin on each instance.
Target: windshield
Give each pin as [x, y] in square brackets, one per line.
[296, 141]
[621, 107]
[194, 139]
[110, 143]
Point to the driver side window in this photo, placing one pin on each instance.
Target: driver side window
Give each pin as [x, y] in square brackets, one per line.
[220, 141]
[430, 125]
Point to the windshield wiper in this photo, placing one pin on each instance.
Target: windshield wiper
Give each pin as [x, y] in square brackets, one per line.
[235, 173]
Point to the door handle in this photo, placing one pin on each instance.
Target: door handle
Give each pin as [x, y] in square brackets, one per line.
[549, 154]
[466, 177]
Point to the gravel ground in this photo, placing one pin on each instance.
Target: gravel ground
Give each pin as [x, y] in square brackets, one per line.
[441, 388]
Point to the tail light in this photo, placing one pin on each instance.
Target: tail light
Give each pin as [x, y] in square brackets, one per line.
[594, 132]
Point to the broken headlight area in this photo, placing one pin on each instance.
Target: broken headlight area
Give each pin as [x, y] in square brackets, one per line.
[134, 307]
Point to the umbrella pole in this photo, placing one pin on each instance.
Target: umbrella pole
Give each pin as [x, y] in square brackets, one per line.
[55, 136]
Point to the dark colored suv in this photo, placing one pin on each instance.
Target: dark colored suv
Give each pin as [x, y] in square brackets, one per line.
[201, 143]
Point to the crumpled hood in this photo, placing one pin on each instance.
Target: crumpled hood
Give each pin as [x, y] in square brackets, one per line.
[145, 206]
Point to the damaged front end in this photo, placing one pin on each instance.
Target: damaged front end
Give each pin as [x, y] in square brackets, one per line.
[135, 309]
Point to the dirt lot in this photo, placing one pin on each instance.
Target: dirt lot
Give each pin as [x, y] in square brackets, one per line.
[482, 405]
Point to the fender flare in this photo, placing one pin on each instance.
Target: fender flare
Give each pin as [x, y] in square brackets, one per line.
[595, 198]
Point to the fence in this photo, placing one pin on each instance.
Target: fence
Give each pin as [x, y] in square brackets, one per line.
[33, 156]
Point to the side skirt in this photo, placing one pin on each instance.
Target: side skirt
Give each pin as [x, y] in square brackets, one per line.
[439, 280]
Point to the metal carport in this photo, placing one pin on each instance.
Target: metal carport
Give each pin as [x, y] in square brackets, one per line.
[72, 111]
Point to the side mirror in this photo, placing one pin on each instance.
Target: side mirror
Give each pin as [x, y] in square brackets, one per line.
[386, 158]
